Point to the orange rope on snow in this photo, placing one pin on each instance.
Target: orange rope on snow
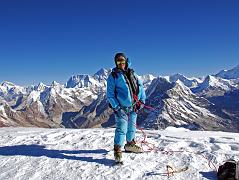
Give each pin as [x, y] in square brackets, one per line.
[152, 147]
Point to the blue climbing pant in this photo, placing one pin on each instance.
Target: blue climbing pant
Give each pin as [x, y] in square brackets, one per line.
[125, 126]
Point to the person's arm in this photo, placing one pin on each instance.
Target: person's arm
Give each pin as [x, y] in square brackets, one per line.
[111, 97]
[142, 97]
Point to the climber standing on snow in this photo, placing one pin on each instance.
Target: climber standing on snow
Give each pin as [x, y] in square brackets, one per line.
[126, 96]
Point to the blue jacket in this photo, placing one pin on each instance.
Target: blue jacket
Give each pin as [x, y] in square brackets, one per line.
[118, 92]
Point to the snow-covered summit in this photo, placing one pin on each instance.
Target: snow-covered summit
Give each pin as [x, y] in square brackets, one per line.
[189, 82]
[229, 74]
[9, 92]
[159, 85]
[81, 81]
[101, 76]
[102, 73]
[40, 87]
[147, 79]
[7, 84]
[55, 84]
[179, 84]
[213, 82]
[85, 80]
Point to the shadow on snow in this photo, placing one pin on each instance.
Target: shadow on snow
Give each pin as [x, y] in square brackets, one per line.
[38, 151]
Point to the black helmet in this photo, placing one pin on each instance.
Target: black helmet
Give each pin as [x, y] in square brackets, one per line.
[120, 54]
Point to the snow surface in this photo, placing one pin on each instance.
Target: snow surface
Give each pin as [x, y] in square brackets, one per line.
[36, 153]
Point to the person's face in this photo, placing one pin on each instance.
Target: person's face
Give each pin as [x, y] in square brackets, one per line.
[121, 62]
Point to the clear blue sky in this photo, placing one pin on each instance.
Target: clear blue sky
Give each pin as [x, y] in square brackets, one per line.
[46, 40]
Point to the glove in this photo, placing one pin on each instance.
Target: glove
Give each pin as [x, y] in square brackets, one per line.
[119, 112]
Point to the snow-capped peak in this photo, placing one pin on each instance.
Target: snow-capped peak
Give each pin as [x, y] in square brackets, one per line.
[56, 87]
[101, 75]
[177, 75]
[229, 74]
[159, 84]
[180, 87]
[147, 79]
[189, 82]
[33, 96]
[211, 81]
[7, 84]
[214, 82]
[40, 87]
[102, 72]
[54, 84]
[82, 81]
[12, 88]
[179, 82]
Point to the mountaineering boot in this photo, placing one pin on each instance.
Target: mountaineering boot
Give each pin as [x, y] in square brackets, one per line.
[132, 147]
[117, 154]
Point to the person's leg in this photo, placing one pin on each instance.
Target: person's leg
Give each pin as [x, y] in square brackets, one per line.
[131, 127]
[130, 136]
[121, 129]
[120, 132]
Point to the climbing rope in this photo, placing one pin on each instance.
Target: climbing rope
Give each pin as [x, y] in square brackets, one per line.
[151, 147]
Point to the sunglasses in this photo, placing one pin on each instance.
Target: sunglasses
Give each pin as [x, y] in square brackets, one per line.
[120, 61]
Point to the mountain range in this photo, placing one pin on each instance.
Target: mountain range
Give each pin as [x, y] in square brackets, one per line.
[210, 103]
